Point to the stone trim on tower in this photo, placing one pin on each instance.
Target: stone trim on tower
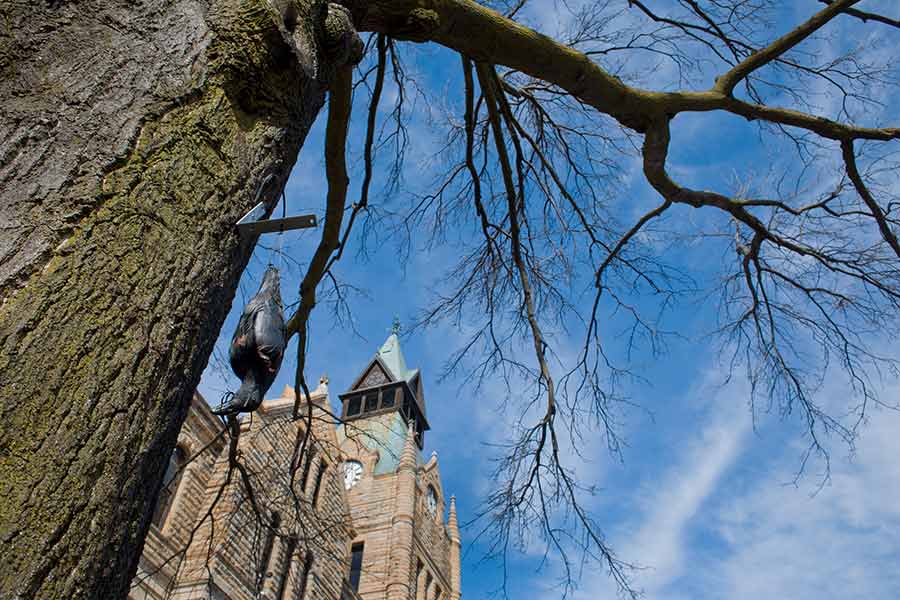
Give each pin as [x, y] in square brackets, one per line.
[455, 563]
[401, 552]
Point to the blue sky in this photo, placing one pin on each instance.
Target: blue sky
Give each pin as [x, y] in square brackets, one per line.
[704, 493]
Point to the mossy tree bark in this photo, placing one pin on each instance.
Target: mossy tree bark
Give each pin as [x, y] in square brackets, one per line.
[132, 137]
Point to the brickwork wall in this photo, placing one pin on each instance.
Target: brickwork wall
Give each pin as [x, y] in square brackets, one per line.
[372, 501]
[223, 558]
[214, 544]
[202, 440]
[374, 504]
[432, 540]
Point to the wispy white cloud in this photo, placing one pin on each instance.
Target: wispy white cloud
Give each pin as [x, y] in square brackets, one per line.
[717, 518]
[843, 542]
[669, 504]
[675, 502]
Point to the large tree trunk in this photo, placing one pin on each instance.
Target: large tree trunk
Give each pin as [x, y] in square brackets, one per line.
[132, 136]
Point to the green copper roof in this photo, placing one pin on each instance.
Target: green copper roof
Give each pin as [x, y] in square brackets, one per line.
[386, 432]
[392, 357]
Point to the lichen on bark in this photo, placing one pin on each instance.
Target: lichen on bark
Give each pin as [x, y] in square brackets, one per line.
[121, 262]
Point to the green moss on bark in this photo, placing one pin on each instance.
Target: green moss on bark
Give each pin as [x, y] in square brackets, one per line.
[102, 348]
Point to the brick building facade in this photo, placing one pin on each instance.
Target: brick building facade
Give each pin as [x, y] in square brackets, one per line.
[346, 512]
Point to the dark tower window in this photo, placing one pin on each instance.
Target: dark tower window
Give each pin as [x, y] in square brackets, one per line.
[387, 398]
[171, 479]
[356, 561]
[274, 522]
[353, 406]
[286, 562]
[371, 401]
[319, 475]
[304, 577]
[419, 567]
[310, 455]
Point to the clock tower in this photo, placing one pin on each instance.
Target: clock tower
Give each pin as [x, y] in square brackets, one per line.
[405, 548]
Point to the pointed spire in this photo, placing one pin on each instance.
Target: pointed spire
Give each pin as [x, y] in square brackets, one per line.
[392, 357]
[453, 531]
[452, 522]
[408, 456]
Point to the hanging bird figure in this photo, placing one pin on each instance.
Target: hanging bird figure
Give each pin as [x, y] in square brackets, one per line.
[257, 346]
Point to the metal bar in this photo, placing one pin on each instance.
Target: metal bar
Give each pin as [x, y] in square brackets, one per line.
[251, 228]
[255, 222]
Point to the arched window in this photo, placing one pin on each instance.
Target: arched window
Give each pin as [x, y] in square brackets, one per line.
[174, 471]
[310, 455]
[287, 560]
[264, 567]
[319, 475]
[416, 581]
[303, 582]
[356, 563]
[431, 501]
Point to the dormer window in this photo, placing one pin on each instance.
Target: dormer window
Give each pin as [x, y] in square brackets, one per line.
[387, 386]
[378, 400]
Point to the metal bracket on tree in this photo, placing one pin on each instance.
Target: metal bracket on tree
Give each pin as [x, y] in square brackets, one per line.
[255, 223]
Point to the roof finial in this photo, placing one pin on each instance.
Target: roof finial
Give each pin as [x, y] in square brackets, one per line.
[396, 327]
[408, 455]
[453, 522]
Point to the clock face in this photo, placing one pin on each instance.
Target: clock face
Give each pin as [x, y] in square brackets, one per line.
[352, 473]
[431, 500]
